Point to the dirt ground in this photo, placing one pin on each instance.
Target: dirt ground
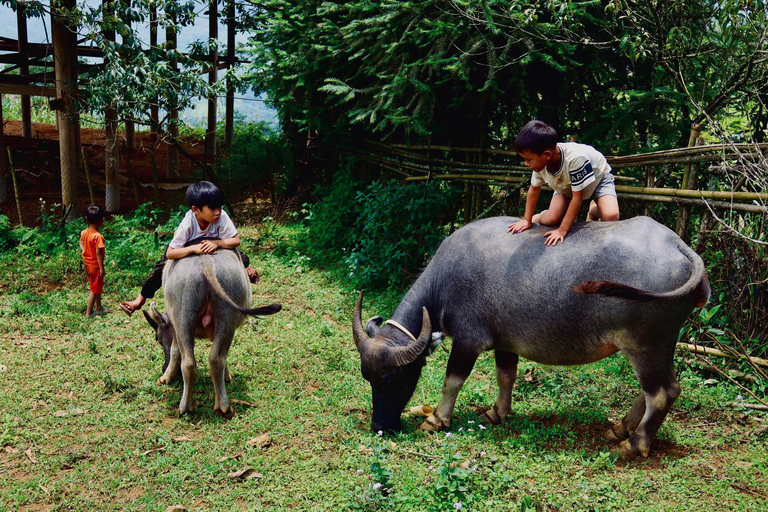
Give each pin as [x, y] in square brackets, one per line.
[39, 176]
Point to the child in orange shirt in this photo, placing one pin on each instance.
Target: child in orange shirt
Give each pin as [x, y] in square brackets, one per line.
[92, 248]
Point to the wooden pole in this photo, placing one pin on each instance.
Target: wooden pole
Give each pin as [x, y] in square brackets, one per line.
[3, 164]
[229, 115]
[26, 103]
[88, 177]
[130, 128]
[155, 177]
[112, 147]
[684, 212]
[172, 162]
[153, 110]
[15, 187]
[213, 34]
[717, 205]
[64, 58]
[133, 177]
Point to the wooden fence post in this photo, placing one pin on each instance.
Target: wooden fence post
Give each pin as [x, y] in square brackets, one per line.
[684, 212]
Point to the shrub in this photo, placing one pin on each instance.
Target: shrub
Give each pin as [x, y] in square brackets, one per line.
[332, 220]
[398, 228]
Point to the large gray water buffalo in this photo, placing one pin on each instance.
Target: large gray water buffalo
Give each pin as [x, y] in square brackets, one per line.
[625, 286]
[207, 296]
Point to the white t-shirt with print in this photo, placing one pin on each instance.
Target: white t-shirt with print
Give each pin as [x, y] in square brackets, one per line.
[581, 168]
[189, 229]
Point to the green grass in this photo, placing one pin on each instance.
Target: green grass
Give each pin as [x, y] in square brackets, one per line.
[80, 395]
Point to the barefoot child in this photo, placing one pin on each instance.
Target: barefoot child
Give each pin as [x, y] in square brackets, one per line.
[93, 252]
[205, 228]
[576, 172]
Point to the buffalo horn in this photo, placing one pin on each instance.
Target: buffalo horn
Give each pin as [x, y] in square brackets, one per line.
[157, 317]
[400, 356]
[357, 323]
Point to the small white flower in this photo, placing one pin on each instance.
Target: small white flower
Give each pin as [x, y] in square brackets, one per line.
[461, 428]
[380, 432]
[482, 427]
[376, 485]
[470, 430]
[448, 434]
[431, 468]
[360, 471]
[458, 505]
[482, 454]
[739, 397]
[470, 422]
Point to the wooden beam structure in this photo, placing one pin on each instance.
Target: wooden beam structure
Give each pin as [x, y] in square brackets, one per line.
[172, 162]
[65, 62]
[26, 103]
[112, 146]
[229, 115]
[213, 34]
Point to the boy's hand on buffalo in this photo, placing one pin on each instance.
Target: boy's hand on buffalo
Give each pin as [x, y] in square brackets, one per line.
[519, 226]
[554, 236]
[207, 247]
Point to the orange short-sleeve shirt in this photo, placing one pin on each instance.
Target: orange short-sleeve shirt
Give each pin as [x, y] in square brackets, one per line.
[92, 240]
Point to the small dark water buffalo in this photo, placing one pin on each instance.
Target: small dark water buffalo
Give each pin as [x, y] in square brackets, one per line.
[625, 286]
[207, 296]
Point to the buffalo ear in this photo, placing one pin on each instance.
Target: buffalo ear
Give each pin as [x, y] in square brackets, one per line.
[154, 318]
[150, 320]
[437, 339]
[372, 325]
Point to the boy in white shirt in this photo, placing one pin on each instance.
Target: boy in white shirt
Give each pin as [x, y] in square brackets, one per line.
[576, 172]
[204, 229]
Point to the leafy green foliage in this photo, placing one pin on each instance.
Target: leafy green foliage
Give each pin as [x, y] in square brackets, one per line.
[258, 156]
[398, 228]
[333, 218]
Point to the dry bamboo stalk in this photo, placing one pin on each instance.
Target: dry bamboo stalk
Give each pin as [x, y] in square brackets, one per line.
[756, 407]
[728, 148]
[720, 205]
[699, 349]
[665, 161]
[15, 186]
[502, 152]
[508, 179]
[696, 194]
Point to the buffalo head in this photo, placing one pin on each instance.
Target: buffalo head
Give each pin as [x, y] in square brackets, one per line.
[392, 369]
[164, 332]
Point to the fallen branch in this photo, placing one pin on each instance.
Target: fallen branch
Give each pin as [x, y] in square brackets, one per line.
[699, 349]
[757, 407]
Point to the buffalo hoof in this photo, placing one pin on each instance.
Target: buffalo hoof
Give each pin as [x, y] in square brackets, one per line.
[433, 424]
[161, 381]
[629, 451]
[612, 435]
[228, 414]
[491, 417]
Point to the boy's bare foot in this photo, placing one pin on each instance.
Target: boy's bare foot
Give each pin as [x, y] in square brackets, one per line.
[132, 306]
[253, 276]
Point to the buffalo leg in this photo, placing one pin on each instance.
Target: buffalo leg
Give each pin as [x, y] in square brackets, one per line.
[660, 390]
[629, 423]
[186, 345]
[506, 372]
[174, 365]
[217, 361]
[460, 364]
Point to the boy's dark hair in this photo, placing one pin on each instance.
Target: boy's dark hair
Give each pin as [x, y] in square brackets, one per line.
[536, 137]
[94, 214]
[204, 193]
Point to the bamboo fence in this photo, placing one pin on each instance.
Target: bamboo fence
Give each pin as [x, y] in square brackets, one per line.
[475, 167]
